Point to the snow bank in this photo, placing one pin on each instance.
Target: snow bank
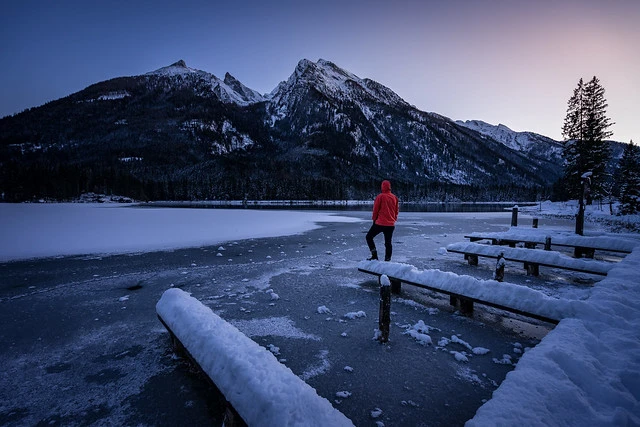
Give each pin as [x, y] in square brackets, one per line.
[501, 293]
[584, 372]
[262, 390]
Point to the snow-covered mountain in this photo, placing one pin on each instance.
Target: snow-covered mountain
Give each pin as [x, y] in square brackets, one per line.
[327, 78]
[528, 142]
[227, 90]
[322, 133]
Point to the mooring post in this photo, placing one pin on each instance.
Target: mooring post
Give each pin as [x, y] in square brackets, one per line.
[580, 220]
[514, 216]
[500, 263]
[535, 223]
[384, 318]
[547, 243]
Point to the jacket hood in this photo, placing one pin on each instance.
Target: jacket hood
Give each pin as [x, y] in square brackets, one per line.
[386, 186]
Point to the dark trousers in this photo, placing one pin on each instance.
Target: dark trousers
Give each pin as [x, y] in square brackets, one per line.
[388, 233]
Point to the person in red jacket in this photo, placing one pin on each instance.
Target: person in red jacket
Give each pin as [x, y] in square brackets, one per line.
[385, 215]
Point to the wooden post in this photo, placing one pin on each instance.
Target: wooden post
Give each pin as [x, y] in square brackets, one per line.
[514, 216]
[499, 273]
[535, 223]
[396, 286]
[384, 318]
[547, 243]
[580, 220]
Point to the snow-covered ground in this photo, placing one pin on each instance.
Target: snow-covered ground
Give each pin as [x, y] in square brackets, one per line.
[585, 372]
[597, 212]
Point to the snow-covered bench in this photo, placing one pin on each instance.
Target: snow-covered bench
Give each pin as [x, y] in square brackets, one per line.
[583, 245]
[585, 371]
[466, 290]
[262, 390]
[531, 259]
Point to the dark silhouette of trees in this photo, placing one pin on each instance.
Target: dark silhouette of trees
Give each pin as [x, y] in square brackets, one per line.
[629, 180]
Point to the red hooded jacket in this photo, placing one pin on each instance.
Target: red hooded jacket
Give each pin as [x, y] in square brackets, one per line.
[385, 207]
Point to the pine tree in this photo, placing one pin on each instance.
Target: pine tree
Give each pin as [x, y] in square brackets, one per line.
[585, 130]
[595, 134]
[629, 176]
[573, 133]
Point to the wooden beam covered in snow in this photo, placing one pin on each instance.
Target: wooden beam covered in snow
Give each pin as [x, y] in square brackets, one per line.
[263, 391]
[467, 290]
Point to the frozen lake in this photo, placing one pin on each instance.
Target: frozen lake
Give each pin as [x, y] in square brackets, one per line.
[81, 342]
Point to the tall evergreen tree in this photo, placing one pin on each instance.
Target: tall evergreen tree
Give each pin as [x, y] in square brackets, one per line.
[629, 180]
[595, 135]
[573, 134]
[585, 130]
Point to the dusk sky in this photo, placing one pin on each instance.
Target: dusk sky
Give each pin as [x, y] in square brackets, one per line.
[514, 62]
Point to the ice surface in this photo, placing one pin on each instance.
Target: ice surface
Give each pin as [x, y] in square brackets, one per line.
[45, 230]
[585, 372]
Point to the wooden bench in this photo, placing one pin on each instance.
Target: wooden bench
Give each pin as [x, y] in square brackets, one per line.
[582, 245]
[263, 391]
[532, 259]
[464, 291]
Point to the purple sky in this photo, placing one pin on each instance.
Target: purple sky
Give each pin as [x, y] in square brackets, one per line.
[514, 62]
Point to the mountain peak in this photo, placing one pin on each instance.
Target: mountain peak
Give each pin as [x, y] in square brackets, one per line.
[237, 92]
[177, 68]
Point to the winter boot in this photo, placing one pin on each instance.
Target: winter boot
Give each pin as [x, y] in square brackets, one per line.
[374, 256]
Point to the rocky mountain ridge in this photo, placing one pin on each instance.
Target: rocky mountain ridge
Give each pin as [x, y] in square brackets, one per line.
[324, 133]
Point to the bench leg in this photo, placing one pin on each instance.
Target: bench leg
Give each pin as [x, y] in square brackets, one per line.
[232, 418]
[580, 252]
[532, 269]
[472, 259]
[396, 286]
[466, 306]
